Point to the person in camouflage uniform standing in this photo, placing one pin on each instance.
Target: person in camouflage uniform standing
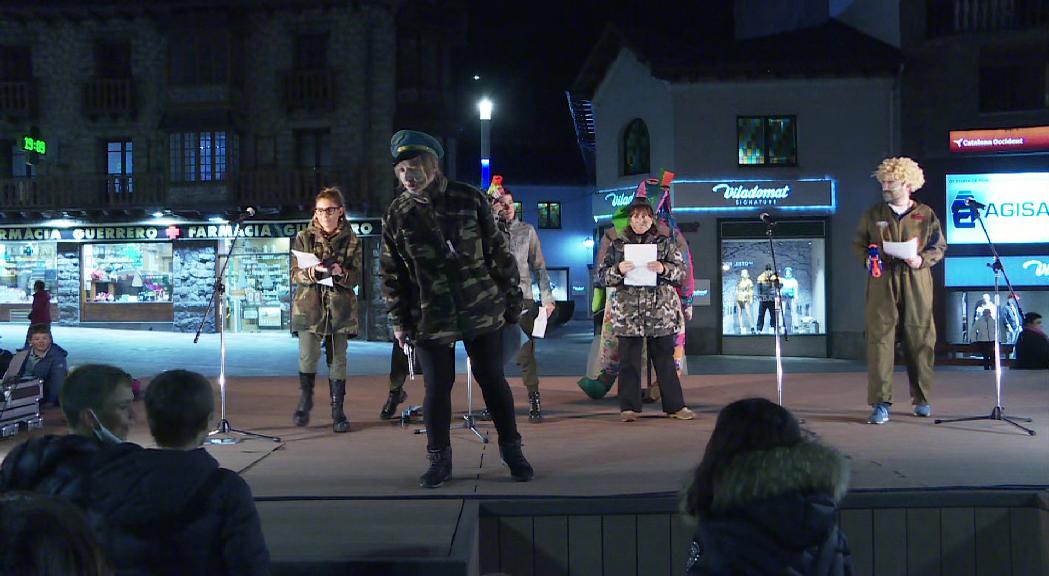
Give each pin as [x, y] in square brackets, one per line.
[448, 275]
[325, 312]
[901, 295]
[649, 315]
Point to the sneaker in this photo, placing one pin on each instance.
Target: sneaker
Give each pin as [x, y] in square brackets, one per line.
[923, 410]
[683, 414]
[629, 415]
[880, 415]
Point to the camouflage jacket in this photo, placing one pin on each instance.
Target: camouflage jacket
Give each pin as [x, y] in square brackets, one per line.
[645, 310]
[326, 309]
[524, 245]
[447, 270]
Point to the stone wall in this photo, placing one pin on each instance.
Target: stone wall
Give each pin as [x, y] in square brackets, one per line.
[67, 291]
[194, 267]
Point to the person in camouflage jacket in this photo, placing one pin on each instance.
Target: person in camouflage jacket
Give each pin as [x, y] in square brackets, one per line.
[448, 275]
[325, 312]
[646, 314]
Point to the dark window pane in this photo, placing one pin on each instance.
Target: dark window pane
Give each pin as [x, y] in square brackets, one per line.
[782, 141]
[311, 51]
[751, 136]
[113, 59]
[635, 148]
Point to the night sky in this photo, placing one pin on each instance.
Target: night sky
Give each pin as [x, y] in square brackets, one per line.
[528, 54]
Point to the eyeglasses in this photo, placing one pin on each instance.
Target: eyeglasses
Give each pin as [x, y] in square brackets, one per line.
[328, 211]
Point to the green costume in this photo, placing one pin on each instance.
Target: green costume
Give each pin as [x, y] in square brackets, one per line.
[900, 296]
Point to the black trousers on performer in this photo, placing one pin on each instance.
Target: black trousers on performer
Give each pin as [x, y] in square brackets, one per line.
[661, 352]
[438, 364]
[770, 306]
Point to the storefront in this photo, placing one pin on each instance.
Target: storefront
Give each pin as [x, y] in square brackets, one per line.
[155, 276]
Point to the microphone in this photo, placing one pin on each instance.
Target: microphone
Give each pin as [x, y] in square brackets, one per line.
[767, 219]
[972, 203]
[248, 212]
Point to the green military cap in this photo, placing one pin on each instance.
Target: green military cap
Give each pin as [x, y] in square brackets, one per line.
[410, 143]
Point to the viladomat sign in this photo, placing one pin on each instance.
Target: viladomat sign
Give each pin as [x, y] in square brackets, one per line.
[731, 195]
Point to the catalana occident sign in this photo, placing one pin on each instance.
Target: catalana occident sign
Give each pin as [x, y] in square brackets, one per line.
[1032, 139]
[1014, 207]
[180, 231]
[731, 196]
[975, 271]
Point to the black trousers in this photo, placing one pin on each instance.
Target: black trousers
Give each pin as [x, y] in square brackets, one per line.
[438, 364]
[764, 305]
[661, 352]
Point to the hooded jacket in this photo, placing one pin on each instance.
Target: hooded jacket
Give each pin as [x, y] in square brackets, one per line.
[775, 512]
[447, 270]
[54, 464]
[175, 512]
[645, 310]
[327, 309]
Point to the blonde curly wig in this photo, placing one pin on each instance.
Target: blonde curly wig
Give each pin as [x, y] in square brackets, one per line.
[901, 169]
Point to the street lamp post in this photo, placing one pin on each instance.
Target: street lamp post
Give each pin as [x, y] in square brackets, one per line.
[485, 108]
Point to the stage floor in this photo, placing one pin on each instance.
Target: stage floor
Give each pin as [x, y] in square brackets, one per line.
[582, 449]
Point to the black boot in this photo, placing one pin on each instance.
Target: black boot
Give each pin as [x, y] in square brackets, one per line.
[302, 413]
[394, 399]
[535, 410]
[520, 469]
[440, 468]
[338, 392]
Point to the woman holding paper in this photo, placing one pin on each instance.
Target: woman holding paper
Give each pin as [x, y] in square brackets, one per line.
[643, 264]
[326, 266]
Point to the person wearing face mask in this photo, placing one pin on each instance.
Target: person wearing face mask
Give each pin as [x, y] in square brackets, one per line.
[902, 295]
[448, 275]
[97, 402]
[42, 359]
[172, 509]
[325, 306]
[643, 315]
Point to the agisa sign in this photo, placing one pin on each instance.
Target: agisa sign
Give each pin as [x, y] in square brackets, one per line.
[1016, 208]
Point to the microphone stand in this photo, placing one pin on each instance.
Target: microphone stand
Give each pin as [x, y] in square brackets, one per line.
[221, 434]
[998, 412]
[777, 310]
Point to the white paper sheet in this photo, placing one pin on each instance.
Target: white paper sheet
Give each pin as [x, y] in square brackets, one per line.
[539, 327]
[307, 260]
[902, 250]
[640, 255]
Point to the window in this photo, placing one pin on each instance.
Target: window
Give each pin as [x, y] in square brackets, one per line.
[518, 211]
[313, 149]
[119, 167]
[635, 152]
[767, 140]
[202, 156]
[558, 285]
[20, 166]
[127, 273]
[16, 64]
[22, 264]
[310, 51]
[201, 58]
[549, 214]
[1007, 86]
[113, 59]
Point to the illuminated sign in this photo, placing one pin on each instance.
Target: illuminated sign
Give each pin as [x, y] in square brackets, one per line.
[30, 144]
[1004, 140]
[975, 271]
[361, 228]
[817, 194]
[1016, 208]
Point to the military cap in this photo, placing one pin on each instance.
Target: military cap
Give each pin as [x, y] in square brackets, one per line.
[407, 144]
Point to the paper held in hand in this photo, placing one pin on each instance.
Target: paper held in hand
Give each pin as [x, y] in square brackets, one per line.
[640, 255]
[539, 327]
[901, 250]
[307, 260]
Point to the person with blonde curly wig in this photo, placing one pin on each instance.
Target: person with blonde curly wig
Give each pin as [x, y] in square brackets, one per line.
[899, 290]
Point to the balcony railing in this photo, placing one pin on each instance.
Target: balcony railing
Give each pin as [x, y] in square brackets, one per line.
[17, 99]
[949, 17]
[309, 90]
[104, 96]
[277, 187]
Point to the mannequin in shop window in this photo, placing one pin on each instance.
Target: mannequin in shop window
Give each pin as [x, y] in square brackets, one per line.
[744, 300]
[787, 292]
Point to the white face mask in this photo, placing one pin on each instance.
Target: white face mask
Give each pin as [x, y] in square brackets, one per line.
[102, 433]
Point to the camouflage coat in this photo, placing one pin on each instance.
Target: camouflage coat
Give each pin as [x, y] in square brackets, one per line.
[326, 309]
[645, 310]
[447, 270]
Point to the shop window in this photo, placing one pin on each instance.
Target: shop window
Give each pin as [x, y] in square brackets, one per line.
[258, 282]
[747, 290]
[22, 264]
[549, 214]
[119, 167]
[126, 273]
[635, 149]
[202, 156]
[558, 285]
[767, 140]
